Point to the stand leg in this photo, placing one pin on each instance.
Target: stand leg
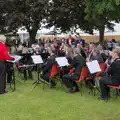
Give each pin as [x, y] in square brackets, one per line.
[39, 81]
[13, 82]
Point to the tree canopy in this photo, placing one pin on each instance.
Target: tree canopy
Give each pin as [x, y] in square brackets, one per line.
[29, 14]
[68, 14]
[65, 15]
[101, 13]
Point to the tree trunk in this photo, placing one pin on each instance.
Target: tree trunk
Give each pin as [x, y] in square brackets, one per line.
[101, 36]
[32, 34]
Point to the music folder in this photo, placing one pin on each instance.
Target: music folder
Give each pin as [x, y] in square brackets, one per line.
[93, 66]
[16, 57]
[37, 59]
[62, 61]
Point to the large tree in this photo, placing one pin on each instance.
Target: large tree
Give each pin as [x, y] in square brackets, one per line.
[2, 16]
[84, 14]
[29, 14]
[101, 14]
[68, 14]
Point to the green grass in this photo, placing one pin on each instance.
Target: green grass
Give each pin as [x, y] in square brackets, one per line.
[55, 104]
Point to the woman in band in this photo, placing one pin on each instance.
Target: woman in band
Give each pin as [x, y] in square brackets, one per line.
[3, 57]
[112, 77]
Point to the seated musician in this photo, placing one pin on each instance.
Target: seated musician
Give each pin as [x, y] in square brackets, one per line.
[3, 57]
[70, 80]
[95, 55]
[113, 75]
[91, 49]
[25, 48]
[48, 67]
[82, 51]
[19, 48]
[26, 60]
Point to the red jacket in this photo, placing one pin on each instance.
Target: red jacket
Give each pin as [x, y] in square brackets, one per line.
[4, 53]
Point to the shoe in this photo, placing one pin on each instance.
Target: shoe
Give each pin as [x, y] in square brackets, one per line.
[6, 92]
[76, 90]
[70, 91]
[52, 85]
[105, 98]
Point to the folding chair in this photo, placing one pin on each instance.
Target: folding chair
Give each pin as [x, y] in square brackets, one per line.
[117, 89]
[96, 87]
[54, 72]
[85, 75]
[102, 66]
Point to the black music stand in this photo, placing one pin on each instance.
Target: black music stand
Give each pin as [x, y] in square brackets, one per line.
[12, 76]
[37, 59]
[26, 62]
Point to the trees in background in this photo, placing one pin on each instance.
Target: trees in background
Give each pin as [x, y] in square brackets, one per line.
[65, 15]
[68, 15]
[28, 14]
[101, 14]
[2, 16]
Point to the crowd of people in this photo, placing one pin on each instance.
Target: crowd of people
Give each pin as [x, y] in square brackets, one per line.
[77, 53]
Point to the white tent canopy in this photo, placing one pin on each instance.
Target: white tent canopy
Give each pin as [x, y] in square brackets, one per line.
[24, 34]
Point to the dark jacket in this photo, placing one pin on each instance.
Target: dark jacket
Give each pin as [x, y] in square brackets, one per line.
[114, 71]
[78, 63]
[49, 65]
[83, 53]
[98, 58]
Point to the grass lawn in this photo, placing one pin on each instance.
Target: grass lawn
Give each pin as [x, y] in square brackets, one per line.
[55, 104]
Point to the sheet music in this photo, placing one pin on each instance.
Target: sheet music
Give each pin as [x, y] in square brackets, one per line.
[93, 66]
[16, 57]
[37, 59]
[62, 61]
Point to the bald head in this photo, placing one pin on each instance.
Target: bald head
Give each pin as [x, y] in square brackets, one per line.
[2, 39]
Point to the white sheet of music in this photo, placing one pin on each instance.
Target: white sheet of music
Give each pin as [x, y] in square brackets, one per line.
[37, 59]
[62, 61]
[16, 57]
[93, 66]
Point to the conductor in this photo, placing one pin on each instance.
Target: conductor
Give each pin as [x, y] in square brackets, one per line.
[3, 57]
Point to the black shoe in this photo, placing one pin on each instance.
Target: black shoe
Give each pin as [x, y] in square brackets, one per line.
[70, 91]
[76, 90]
[52, 85]
[103, 98]
[6, 92]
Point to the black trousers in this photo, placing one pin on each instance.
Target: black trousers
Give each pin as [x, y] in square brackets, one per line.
[46, 77]
[104, 82]
[70, 81]
[2, 77]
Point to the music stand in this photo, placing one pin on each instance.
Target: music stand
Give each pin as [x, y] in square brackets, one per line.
[12, 72]
[62, 62]
[26, 63]
[93, 68]
[37, 59]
